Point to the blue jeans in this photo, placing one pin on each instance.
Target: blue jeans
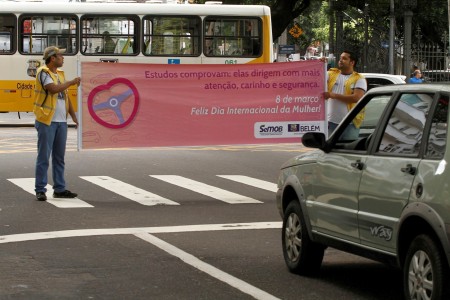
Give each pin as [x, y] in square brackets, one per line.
[350, 133]
[51, 141]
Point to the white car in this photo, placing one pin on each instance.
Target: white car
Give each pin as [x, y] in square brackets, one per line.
[379, 79]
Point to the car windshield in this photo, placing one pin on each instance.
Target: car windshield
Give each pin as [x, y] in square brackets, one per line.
[370, 115]
[373, 111]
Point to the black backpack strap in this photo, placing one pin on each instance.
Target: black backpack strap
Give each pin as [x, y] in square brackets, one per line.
[42, 84]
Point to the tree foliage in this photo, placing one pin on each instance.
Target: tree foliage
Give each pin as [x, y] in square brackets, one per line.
[429, 15]
[314, 23]
[283, 11]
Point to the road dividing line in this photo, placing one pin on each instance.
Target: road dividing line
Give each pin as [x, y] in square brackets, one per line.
[205, 189]
[27, 184]
[208, 269]
[265, 185]
[128, 191]
[36, 236]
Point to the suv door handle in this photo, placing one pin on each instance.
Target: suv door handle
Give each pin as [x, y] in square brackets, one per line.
[357, 165]
[409, 169]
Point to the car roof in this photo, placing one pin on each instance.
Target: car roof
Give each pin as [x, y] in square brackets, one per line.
[392, 77]
[415, 88]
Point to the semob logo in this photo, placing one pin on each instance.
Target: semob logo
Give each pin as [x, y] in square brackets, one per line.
[270, 130]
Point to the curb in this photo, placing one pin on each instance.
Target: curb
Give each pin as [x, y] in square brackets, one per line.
[26, 125]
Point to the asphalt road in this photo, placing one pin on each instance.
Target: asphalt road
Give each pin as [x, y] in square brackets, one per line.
[161, 224]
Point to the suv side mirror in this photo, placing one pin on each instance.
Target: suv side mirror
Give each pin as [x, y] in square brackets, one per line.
[314, 140]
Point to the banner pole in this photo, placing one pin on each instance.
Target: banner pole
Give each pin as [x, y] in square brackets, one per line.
[79, 105]
[325, 65]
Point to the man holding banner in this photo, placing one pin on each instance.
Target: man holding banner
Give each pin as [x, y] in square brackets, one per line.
[51, 107]
[345, 88]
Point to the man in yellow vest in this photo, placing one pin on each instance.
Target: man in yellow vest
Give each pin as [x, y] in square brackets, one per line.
[51, 107]
[345, 88]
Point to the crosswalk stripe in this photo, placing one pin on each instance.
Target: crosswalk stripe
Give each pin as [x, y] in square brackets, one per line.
[205, 189]
[27, 184]
[262, 184]
[128, 191]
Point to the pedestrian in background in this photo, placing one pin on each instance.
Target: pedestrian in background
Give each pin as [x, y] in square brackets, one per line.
[345, 87]
[51, 107]
[417, 78]
[110, 45]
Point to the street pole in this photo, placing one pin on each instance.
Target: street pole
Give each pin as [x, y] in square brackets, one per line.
[408, 6]
[366, 36]
[448, 11]
[407, 55]
[332, 45]
[339, 7]
[392, 37]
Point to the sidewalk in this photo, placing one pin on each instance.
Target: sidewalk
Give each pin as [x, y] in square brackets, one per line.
[12, 119]
[26, 120]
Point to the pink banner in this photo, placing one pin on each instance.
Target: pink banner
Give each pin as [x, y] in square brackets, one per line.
[146, 105]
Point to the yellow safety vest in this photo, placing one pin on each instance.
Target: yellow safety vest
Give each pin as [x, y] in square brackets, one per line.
[333, 75]
[44, 102]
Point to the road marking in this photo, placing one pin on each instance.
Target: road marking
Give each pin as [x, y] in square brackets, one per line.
[27, 184]
[206, 268]
[128, 191]
[144, 233]
[205, 189]
[35, 236]
[262, 184]
[149, 199]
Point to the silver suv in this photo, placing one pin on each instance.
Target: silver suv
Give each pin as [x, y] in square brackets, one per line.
[384, 195]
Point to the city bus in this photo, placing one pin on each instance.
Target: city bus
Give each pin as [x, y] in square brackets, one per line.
[124, 33]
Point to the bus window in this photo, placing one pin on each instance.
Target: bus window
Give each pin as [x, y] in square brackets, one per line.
[232, 37]
[113, 35]
[170, 35]
[7, 33]
[40, 32]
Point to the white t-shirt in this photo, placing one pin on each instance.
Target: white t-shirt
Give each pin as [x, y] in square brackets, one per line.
[336, 109]
[60, 111]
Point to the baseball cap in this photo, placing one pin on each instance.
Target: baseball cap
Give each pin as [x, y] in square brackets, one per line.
[52, 50]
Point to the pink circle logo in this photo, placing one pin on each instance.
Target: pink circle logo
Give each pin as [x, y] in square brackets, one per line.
[115, 104]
